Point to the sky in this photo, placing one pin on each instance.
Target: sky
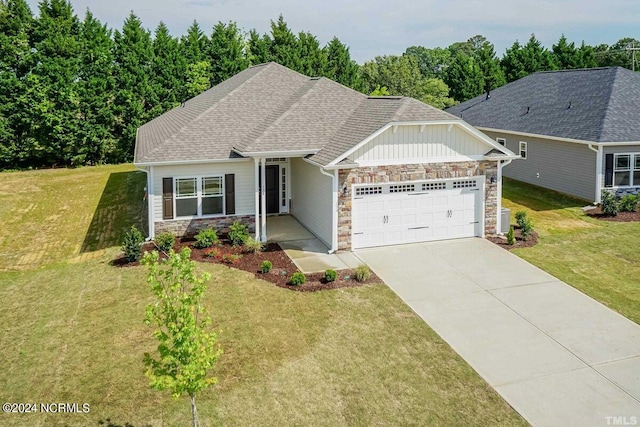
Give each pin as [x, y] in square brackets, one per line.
[388, 27]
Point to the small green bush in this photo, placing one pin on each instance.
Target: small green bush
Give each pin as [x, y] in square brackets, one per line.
[238, 233]
[628, 203]
[511, 240]
[206, 238]
[362, 273]
[330, 275]
[297, 278]
[252, 245]
[609, 204]
[131, 244]
[521, 217]
[526, 228]
[165, 241]
[266, 266]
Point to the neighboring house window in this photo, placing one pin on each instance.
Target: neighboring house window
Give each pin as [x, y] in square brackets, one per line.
[626, 170]
[199, 196]
[523, 149]
[501, 141]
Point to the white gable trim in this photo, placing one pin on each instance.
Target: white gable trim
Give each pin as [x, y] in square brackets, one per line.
[465, 126]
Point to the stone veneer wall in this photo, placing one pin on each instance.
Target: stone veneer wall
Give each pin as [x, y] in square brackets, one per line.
[190, 227]
[414, 172]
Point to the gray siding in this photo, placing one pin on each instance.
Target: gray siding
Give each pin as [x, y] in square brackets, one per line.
[622, 149]
[562, 166]
[312, 199]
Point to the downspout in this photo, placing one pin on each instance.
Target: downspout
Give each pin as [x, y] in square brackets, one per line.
[334, 210]
[599, 153]
[499, 210]
[149, 189]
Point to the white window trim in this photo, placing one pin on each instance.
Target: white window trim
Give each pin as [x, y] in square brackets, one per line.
[526, 151]
[631, 169]
[198, 196]
[502, 141]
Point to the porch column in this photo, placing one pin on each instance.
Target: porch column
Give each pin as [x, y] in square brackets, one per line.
[263, 199]
[256, 174]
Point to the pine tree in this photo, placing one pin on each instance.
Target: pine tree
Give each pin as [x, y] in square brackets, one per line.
[134, 96]
[284, 45]
[464, 77]
[226, 52]
[96, 90]
[194, 44]
[168, 70]
[520, 61]
[489, 64]
[313, 60]
[258, 48]
[565, 55]
[340, 67]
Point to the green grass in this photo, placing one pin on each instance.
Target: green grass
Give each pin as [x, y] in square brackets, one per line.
[72, 331]
[600, 258]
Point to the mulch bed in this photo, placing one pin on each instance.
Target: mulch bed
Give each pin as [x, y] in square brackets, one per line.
[279, 275]
[621, 217]
[520, 242]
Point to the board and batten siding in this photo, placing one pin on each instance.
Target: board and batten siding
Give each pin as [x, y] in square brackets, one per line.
[311, 199]
[566, 167]
[244, 182]
[408, 143]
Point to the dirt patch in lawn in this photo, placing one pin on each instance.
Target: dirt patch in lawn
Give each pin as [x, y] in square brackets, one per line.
[237, 257]
[520, 242]
[621, 217]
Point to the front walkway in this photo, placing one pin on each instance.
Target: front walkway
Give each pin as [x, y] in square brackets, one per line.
[306, 250]
[557, 356]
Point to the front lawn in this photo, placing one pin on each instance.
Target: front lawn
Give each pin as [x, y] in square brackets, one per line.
[600, 258]
[72, 330]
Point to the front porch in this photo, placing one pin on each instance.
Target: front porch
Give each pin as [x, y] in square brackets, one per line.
[307, 252]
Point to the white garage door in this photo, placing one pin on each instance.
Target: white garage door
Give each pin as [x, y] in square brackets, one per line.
[395, 213]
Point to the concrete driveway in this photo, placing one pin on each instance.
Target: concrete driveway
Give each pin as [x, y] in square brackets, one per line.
[557, 356]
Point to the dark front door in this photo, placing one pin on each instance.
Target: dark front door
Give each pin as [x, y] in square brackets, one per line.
[272, 173]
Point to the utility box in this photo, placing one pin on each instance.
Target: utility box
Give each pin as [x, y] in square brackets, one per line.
[505, 220]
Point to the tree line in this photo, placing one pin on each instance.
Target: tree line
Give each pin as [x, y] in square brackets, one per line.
[74, 91]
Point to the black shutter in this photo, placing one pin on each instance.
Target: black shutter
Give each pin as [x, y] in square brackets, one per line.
[229, 194]
[167, 198]
[608, 170]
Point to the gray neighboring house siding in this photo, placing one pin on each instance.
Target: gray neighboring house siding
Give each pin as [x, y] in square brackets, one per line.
[561, 166]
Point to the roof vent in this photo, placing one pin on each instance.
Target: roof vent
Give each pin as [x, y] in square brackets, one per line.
[315, 78]
[569, 105]
[488, 95]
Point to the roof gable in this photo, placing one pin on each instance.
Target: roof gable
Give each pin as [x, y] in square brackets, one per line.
[598, 104]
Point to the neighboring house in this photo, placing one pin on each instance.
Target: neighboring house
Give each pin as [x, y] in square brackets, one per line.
[357, 171]
[577, 131]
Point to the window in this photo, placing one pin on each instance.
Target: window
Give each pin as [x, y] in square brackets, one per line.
[212, 195]
[501, 141]
[186, 197]
[434, 186]
[626, 170]
[364, 191]
[523, 150]
[199, 196]
[404, 188]
[469, 183]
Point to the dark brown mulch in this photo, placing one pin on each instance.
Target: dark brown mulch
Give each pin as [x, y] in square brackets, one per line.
[122, 261]
[279, 275]
[520, 243]
[621, 217]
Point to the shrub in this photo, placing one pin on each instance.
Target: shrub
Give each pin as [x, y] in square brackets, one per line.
[297, 278]
[330, 275]
[165, 241]
[131, 244]
[511, 240]
[266, 266]
[238, 233]
[206, 238]
[526, 228]
[213, 253]
[231, 258]
[628, 203]
[521, 217]
[609, 204]
[252, 245]
[362, 272]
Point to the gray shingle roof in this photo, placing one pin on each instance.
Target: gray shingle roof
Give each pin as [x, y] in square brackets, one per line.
[597, 104]
[270, 108]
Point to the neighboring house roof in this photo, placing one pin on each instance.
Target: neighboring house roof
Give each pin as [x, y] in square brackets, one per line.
[596, 104]
[270, 108]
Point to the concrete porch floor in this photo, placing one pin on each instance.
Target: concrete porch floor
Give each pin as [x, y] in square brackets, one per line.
[306, 251]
